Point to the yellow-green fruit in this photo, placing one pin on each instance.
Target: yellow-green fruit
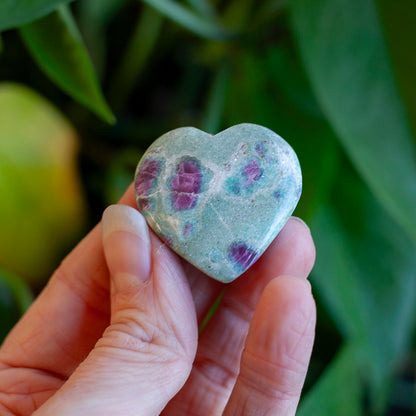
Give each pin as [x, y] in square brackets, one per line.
[41, 202]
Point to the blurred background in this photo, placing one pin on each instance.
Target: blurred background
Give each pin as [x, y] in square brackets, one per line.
[86, 86]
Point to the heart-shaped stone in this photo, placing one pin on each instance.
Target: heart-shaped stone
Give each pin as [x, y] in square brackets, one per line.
[218, 201]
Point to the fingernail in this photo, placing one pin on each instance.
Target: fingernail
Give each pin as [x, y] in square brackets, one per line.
[300, 220]
[124, 218]
[126, 244]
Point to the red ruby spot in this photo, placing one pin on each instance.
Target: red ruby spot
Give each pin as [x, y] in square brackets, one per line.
[185, 185]
[242, 255]
[146, 176]
[252, 172]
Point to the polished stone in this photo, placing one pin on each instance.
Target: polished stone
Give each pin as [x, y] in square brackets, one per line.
[218, 201]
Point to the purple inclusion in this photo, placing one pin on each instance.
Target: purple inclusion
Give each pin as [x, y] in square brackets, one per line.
[144, 204]
[185, 185]
[167, 240]
[187, 229]
[146, 176]
[252, 172]
[145, 179]
[277, 194]
[261, 149]
[242, 255]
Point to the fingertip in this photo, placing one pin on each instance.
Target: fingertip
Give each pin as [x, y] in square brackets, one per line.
[123, 218]
[298, 285]
[278, 349]
[289, 299]
[301, 222]
[126, 242]
[296, 250]
[302, 239]
[290, 303]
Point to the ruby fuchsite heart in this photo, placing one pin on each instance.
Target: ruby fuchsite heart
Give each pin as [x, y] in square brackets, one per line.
[218, 201]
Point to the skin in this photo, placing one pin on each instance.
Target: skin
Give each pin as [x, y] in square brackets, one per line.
[115, 331]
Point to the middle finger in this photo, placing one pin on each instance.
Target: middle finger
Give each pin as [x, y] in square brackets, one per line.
[217, 361]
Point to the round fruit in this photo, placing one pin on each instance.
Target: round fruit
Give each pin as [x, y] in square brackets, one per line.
[42, 207]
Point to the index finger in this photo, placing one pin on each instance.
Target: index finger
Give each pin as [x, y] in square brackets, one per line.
[68, 317]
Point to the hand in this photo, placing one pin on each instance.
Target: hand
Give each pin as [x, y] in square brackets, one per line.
[115, 331]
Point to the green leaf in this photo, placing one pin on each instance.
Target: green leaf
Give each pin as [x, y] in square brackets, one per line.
[93, 18]
[237, 14]
[286, 73]
[57, 47]
[204, 7]
[266, 10]
[139, 49]
[398, 20]
[366, 276]
[15, 298]
[99, 12]
[14, 13]
[338, 391]
[183, 16]
[21, 292]
[343, 50]
[215, 100]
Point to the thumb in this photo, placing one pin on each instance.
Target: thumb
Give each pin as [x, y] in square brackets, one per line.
[145, 355]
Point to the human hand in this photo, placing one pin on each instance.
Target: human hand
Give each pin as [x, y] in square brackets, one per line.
[115, 331]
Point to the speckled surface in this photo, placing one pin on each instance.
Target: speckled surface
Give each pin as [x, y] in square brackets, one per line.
[218, 201]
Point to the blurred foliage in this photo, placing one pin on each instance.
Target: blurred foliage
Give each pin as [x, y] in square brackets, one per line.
[334, 77]
[42, 209]
[64, 58]
[15, 298]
